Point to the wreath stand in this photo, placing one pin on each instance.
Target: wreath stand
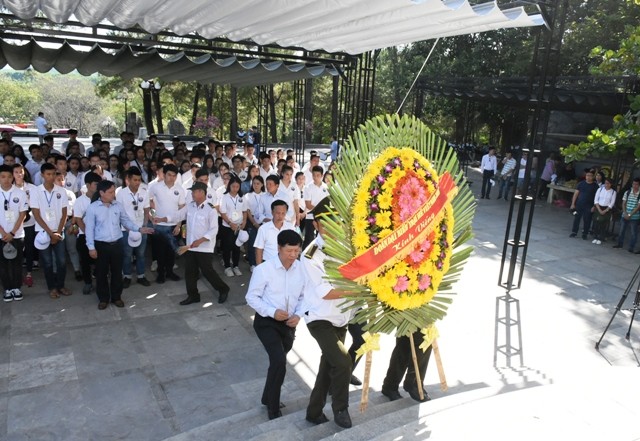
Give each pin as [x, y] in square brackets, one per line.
[635, 307]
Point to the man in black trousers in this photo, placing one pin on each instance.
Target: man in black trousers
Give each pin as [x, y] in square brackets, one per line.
[202, 227]
[103, 221]
[400, 363]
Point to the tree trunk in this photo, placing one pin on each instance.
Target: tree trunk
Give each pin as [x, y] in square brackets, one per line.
[155, 94]
[395, 71]
[308, 109]
[419, 106]
[233, 129]
[209, 92]
[148, 117]
[271, 102]
[335, 106]
[194, 113]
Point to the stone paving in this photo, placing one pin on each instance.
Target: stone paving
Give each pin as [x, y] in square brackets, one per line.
[154, 369]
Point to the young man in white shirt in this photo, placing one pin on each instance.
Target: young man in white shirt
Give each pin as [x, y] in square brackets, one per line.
[266, 167]
[34, 164]
[202, 228]
[49, 205]
[16, 205]
[288, 185]
[314, 192]
[41, 126]
[135, 201]
[73, 136]
[168, 199]
[488, 167]
[266, 243]
[276, 291]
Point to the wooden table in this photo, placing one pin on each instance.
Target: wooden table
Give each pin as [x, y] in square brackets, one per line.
[553, 188]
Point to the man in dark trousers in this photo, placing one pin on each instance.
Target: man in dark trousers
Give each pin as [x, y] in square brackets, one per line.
[103, 221]
[202, 227]
[327, 323]
[582, 203]
[275, 293]
[400, 363]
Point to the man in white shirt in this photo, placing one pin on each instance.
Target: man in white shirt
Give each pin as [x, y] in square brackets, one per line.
[289, 186]
[49, 206]
[16, 205]
[168, 199]
[276, 292]
[41, 126]
[488, 167]
[314, 161]
[249, 154]
[202, 175]
[202, 228]
[274, 191]
[266, 243]
[314, 192]
[266, 168]
[135, 200]
[238, 168]
[34, 164]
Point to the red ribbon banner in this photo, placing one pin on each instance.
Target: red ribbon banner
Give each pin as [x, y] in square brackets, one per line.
[402, 240]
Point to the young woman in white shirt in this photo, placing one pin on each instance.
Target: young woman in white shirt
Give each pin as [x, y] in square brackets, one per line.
[252, 204]
[602, 206]
[234, 219]
[22, 180]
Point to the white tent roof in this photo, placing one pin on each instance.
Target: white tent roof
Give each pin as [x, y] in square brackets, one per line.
[352, 26]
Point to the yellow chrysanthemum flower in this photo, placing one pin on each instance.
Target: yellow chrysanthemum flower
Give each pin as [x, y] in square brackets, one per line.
[361, 241]
[384, 200]
[360, 224]
[383, 219]
[360, 211]
[384, 233]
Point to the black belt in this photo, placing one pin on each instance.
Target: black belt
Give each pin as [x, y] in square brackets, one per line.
[117, 242]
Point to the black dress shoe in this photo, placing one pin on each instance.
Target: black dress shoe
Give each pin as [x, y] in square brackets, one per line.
[102, 305]
[223, 296]
[126, 283]
[143, 281]
[392, 395]
[274, 415]
[173, 276]
[342, 418]
[355, 381]
[119, 303]
[415, 394]
[160, 279]
[190, 300]
[318, 420]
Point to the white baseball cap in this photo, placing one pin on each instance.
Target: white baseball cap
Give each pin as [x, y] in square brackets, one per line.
[9, 251]
[42, 240]
[243, 236]
[135, 239]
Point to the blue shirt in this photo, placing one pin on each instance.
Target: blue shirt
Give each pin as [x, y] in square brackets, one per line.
[103, 223]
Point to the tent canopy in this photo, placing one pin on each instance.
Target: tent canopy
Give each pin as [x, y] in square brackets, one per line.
[351, 26]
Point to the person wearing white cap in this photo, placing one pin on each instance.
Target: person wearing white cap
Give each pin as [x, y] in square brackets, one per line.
[202, 228]
[103, 221]
[12, 234]
[49, 205]
[91, 181]
[135, 200]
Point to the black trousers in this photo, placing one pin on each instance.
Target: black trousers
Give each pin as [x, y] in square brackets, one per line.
[356, 331]
[401, 363]
[230, 252]
[11, 270]
[109, 260]
[309, 233]
[85, 259]
[334, 371]
[486, 185]
[277, 339]
[203, 262]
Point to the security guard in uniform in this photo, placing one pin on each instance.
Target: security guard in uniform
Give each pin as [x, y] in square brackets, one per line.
[202, 228]
[327, 323]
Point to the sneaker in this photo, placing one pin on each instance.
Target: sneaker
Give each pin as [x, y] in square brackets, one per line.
[28, 280]
[143, 281]
[17, 295]
[598, 242]
[8, 295]
[154, 265]
[594, 241]
[227, 272]
[237, 271]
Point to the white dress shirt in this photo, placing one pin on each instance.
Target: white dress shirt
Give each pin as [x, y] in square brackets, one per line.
[80, 209]
[267, 199]
[52, 205]
[273, 287]
[16, 202]
[168, 201]
[267, 239]
[202, 221]
[315, 305]
[134, 203]
[489, 163]
[605, 198]
[314, 194]
[233, 207]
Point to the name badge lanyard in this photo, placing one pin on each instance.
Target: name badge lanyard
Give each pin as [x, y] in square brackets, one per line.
[6, 200]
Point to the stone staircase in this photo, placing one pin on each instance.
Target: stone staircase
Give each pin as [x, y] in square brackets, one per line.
[383, 420]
